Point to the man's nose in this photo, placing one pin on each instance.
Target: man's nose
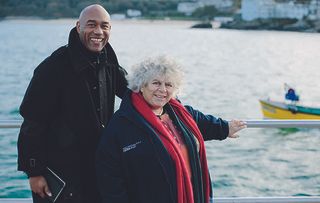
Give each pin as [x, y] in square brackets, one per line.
[98, 30]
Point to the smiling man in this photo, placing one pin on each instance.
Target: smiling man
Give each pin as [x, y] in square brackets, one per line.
[94, 28]
[69, 101]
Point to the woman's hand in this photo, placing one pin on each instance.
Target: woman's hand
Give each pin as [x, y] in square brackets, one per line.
[39, 186]
[235, 126]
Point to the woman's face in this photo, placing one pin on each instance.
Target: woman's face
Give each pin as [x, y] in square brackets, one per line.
[157, 92]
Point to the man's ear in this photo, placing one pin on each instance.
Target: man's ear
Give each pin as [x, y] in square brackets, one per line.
[78, 26]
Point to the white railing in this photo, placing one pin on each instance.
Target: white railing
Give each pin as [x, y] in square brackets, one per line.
[221, 200]
[283, 123]
[10, 123]
[270, 123]
[268, 200]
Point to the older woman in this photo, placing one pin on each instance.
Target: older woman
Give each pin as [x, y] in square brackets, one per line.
[153, 148]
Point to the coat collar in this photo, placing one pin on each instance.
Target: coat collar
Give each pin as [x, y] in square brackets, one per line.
[81, 58]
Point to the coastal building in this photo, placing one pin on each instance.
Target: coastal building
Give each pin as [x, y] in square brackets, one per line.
[118, 16]
[188, 7]
[130, 13]
[133, 13]
[315, 10]
[219, 4]
[254, 9]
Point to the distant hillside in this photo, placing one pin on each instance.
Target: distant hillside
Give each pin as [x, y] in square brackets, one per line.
[72, 8]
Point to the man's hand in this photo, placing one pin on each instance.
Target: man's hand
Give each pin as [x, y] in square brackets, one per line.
[38, 185]
[235, 126]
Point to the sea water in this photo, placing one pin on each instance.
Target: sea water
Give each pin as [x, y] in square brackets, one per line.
[226, 73]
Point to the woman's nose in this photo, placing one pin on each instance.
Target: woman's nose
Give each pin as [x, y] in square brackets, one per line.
[163, 87]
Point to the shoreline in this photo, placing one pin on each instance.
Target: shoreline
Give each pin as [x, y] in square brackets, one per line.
[137, 21]
[167, 21]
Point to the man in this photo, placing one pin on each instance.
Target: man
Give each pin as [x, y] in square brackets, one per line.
[66, 106]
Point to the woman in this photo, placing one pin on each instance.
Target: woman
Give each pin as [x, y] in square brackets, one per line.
[153, 148]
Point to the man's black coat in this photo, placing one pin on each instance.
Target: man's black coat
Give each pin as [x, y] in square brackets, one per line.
[61, 127]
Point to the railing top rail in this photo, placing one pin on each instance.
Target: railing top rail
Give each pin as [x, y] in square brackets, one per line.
[10, 123]
[315, 199]
[270, 123]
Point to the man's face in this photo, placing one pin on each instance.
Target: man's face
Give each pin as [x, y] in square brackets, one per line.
[94, 29]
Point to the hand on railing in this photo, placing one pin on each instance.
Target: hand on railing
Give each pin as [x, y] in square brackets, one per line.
[235, 126]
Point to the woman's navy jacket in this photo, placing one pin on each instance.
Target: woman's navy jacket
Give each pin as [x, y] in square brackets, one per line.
[132, 163]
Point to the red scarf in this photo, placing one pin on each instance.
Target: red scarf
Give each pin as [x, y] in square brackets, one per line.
[184, 185]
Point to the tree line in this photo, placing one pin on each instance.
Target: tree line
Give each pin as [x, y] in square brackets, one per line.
[72, 8]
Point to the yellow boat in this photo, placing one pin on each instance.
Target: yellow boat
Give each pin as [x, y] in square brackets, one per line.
[281, 110]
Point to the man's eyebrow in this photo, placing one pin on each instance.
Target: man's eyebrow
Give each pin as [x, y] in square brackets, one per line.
[91, 21]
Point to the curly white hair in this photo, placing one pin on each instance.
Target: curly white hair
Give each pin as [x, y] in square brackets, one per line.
[147, 70]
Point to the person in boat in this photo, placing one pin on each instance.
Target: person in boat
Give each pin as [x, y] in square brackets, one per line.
[65, 108]
[291, 95]
[153, 148]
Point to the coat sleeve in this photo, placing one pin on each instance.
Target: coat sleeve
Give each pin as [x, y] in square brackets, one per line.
[109, 170]
[212, 128]
[37, 108]
[121, 81]
[31, 148]
[121, 84]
